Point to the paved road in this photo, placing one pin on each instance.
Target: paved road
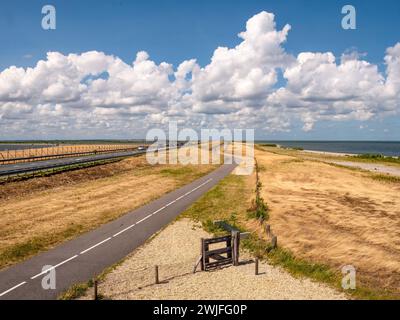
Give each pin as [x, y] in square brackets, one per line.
[83, 258]
[10, 169]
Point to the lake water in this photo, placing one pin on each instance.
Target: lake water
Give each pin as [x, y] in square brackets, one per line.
[389, 148]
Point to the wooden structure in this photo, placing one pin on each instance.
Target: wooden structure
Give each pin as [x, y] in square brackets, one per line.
[227, 255]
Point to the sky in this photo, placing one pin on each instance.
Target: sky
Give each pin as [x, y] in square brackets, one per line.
[115, 69]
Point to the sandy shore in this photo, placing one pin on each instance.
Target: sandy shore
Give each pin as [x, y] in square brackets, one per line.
[327, 153]
[175, 250]
[373, 167]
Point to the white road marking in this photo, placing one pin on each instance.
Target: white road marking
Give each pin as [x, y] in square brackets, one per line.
[96, 245]
[145, 218]
[123, 230]
[101, 242]
[11, 289]
[54, 267]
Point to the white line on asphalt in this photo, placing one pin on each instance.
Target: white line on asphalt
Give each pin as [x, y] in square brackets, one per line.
[54, 267]
[145, 218]
[123, 230]
[96, 245]
[11, 289]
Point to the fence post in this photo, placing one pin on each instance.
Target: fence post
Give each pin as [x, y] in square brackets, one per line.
[274, 241]
[256, 267]
[236, 245]
[268, 230]
[157, 280]
[95, 290]
[203, 255]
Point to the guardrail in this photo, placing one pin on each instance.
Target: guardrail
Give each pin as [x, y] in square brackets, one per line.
[63, 164]
[37, 166]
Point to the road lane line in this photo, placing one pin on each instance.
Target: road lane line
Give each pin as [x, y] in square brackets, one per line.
[11, 289]
[96, 245]
[123, 230]
[145, 218]
[54, 267]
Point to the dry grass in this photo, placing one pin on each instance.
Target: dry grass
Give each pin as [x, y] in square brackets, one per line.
[40, 213]
[335, 216]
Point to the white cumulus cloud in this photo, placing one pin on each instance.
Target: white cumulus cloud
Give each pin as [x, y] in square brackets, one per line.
[100, 94]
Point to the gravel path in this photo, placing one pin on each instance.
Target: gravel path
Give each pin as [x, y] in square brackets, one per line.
[175, 249]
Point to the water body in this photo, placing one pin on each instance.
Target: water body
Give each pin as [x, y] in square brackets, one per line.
[387, 148]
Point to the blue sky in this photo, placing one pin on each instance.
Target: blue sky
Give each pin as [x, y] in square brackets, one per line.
[174, 31]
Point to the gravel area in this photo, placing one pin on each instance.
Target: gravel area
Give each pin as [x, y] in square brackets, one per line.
[378, 168]
[175, 250]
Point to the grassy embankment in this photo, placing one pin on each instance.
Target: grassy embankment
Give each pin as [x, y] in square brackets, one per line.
[231, 201]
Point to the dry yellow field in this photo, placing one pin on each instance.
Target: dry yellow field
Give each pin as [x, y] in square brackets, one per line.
[335, 216]
[40, 213]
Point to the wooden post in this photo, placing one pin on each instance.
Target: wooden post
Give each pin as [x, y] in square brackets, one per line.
[274, 241]
[199, 260]
[256, 267]
[95, 290]
[268, 229]
[233, 235]
[229, 244]
[236, 245]
[157, 280]
[202, 252]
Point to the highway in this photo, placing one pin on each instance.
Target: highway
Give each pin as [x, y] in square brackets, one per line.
[27, 167]
[85, 257]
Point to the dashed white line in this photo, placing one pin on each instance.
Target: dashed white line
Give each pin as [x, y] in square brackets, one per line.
[123, 230]
[145, 218]
[11, 289]
[54, 267]
[96, 245]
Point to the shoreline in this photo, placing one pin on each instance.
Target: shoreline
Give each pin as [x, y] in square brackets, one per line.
[329, 153]
[372, 167]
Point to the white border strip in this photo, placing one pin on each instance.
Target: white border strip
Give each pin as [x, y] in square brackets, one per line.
[11, 289]
[96, 245]
[56, 266]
